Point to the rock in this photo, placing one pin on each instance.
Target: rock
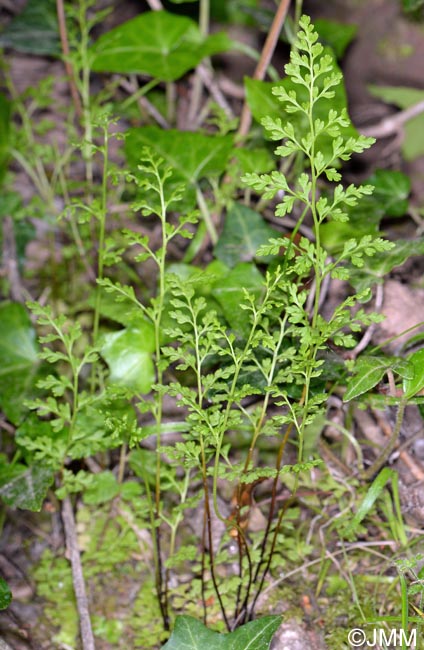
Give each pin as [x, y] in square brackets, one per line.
[292, 635]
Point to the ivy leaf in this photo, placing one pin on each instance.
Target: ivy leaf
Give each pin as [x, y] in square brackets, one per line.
[28, 489]
[257, 160]
[336, 35]
[128, 353]
[390, 198]
[192, 156]
[157, 43]
[411, 6]
[265, 104]
[5, 594]
[412, 386]
[243, 233]
[18, 359]
[369, 372]
[228, 291]
[261, 100]
[191, 634]
[377, 267]
[4, 134]
[391, 191]
[34, 30]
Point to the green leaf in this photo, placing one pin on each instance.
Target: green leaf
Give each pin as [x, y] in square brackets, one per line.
[415, 384]
[229, 293]
[5, 594]
[336, 35]
[18, 349]
[264, 104]
[244, 231]
[18, 359]
[368, 501]
[4, 134]
[34, 30]
[257, 160]
[404, 97]
[191, 634]
[260, 99]
[191, 155]
[391, 191]
[410, 6]
[390, 198]
[377, 267]
[369, 372]
[128, 353]
[156, 43]
[28, 489]
[103, 487]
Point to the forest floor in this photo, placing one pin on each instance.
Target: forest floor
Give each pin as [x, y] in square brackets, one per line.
[388, 51]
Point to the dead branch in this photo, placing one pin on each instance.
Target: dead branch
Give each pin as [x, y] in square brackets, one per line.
[264, 61]
[392, 125]
[68, 519]
[70, 72]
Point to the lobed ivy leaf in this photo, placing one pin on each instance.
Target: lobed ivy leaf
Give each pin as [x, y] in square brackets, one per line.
[191, 634]
[391, 191]
[128, 353]
[192, 156]
[243, 233]
[336, 35]
[229, 292]
[377, 267]
[28, 489]
[412, 6]
[5, 594]
[389, 198]
[4, 147]
[34, 29]
[157, 43]
[269, 100]
[257, 160]
[19, 361]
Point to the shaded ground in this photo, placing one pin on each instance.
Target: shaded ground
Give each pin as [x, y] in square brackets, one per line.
[388, 50]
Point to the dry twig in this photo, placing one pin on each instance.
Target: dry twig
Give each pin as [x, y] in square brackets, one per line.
[87, 637]
[155, 5]
[392, 125]
[65, 49]
[131, 88]
[264, 61]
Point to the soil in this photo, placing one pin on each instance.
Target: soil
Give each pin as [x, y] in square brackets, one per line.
[388, 50]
